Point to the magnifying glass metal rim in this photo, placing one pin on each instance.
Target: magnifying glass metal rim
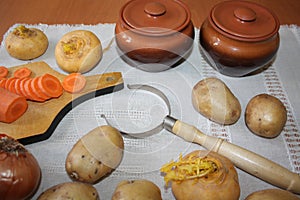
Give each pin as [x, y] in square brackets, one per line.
[156, 129]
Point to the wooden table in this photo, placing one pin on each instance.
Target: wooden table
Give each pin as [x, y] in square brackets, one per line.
[106, 11]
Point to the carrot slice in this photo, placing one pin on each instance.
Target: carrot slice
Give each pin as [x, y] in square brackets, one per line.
[12, 106]
[29, 92]
[17, 86]
[3, 82]
[3, 72]
[22, 87]
[35, 88]
[7, 83]
[11, 85]
[23, 72]
[50, 85]
[74, 83]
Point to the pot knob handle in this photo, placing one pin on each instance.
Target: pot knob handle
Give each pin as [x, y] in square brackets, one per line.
[245, 14]
[155, 9]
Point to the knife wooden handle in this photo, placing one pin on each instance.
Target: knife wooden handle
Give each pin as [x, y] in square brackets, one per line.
[242, 158]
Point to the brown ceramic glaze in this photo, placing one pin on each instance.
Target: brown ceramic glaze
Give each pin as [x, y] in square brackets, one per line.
[239, 37]
[154, 35]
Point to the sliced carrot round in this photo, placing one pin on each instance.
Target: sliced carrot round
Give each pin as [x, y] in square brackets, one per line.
[37, 90]
[50, 85]
[29, 92]
[3, 82]
[3, 72]
[22, 88]
[7, 83]
[23, 72]
[74, 83]
[11, 85]
[17, 86]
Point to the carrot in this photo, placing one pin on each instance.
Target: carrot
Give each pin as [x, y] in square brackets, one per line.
[29, 92]
[50, 85]
[7, 82]
[17, 86]
[3, 72]
[37, 90]
[74, 83]
[23, 72]
[3, 82]
[11, 85]
[22, 88]
[12, 106]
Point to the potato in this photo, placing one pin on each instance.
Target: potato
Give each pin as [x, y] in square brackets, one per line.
[272, 194]
[265, 115]
[78, 51]
[210, 176]
[70, 190]
[137, 190]
[214, 100]
[95, 155]
[26, 43]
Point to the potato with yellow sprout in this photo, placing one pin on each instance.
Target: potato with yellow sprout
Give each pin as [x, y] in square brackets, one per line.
[26, 43]
[137, 189]
[95, 155]
[78, 51]
[202, 175]
[214, 100]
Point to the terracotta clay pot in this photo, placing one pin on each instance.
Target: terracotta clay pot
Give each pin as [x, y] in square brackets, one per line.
[154, 35]
[239, 37]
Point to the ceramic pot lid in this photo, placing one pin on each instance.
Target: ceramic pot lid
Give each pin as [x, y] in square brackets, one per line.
[155, 16]
[244, 20]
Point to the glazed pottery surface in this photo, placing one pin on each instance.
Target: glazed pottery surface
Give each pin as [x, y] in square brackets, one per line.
[154, 35]
[239, 37]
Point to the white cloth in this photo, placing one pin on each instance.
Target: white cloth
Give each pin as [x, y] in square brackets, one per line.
[139, 111]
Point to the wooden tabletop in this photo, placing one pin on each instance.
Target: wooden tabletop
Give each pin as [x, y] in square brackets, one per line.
[106, 11]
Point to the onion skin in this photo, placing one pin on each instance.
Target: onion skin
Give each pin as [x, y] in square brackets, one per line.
[221, 185]
[20, 173]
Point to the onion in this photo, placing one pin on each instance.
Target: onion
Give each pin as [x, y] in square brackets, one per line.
[20, 172]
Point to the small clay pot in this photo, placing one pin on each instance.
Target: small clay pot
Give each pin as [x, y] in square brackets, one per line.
[239, 37]
[154, 35]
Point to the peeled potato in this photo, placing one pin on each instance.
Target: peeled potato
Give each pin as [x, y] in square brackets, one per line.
[78, 51]
[95, 155]
[265, 115]
[70, 190]
[137, 189]
[26, 43]
[272, 194]
[214, 100]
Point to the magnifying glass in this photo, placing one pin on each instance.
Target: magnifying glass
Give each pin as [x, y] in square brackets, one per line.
[242, 158]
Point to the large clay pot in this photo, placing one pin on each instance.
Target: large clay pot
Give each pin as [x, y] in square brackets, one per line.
[154, 35]
[239, 37]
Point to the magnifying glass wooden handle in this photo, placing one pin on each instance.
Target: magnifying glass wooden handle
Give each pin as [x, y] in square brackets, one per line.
[242, 158]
